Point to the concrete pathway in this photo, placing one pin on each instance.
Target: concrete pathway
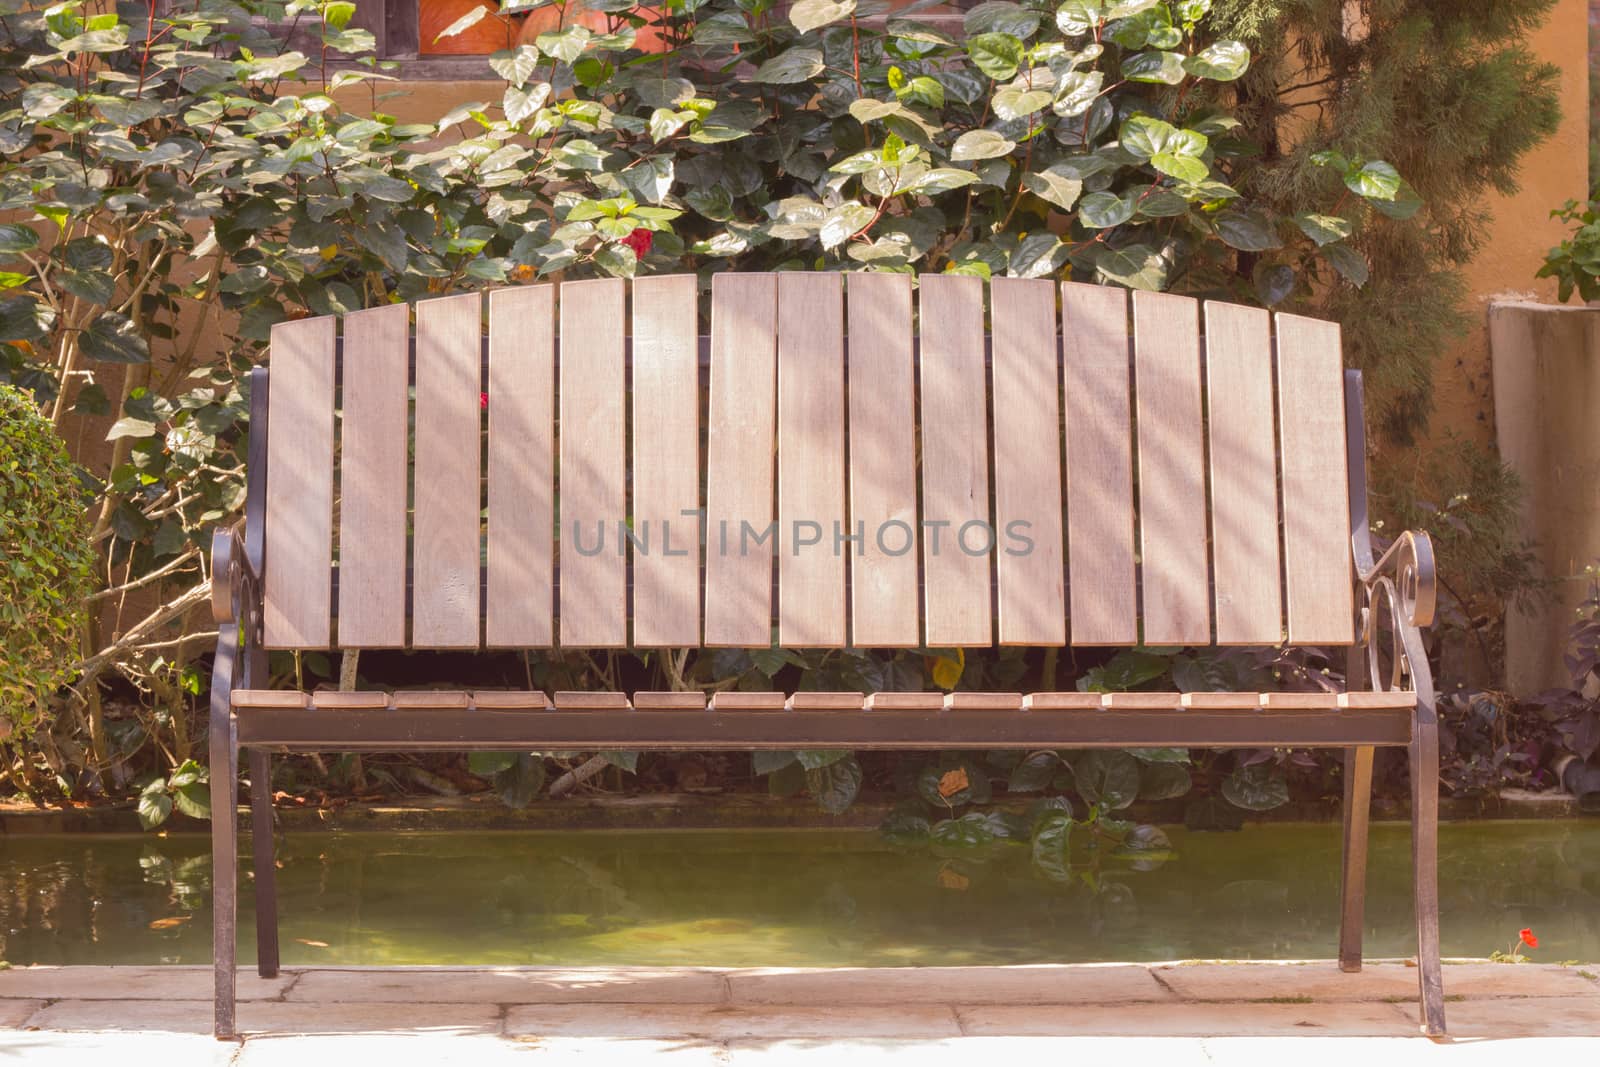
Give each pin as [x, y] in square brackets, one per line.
[1175, 1014]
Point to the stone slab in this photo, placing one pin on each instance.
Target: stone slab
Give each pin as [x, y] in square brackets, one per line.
[1520, 1017]
[512, 985]
[271, 1017]
[1371, 1019]
[721, 1022]
[972, 1052]
[133, 983]
[1323, 981]
[13, 1013]
[1086, 983]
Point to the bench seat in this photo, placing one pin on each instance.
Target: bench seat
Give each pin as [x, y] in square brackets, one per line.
[516, 700]
[735, 721]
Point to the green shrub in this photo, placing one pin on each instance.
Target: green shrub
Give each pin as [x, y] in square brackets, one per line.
[44, 563]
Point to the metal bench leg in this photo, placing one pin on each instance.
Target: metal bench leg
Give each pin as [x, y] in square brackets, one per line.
[1425, 863]
[266, 870]
[1353, 876]
[224, 831]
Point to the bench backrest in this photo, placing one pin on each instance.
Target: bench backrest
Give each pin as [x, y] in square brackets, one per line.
[1059, 476]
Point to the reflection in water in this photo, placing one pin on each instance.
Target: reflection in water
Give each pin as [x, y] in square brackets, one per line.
[788, 898]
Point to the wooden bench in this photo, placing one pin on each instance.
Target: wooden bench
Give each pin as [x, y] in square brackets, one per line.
[1173, 486]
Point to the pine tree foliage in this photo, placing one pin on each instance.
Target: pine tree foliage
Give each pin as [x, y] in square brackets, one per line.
[1449, 93]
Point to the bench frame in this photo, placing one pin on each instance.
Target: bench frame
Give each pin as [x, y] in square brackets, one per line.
[1398, 586]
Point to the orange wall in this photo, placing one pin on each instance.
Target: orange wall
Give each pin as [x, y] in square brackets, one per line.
[1522, 231]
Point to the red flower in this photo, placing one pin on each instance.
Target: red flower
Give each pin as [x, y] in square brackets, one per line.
[640, 241]
[483, 400]
[1527, 938]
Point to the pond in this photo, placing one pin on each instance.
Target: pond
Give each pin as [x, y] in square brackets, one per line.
[789, 898]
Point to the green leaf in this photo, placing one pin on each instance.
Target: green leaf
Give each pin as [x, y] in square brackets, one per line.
[996, 54]
[1375, 180]
[519, 783]
[1013, 104]
[1405, 204]
[15, 237]
[808, 15]
[1274, 282]
[664, 92]
[904, 828]
[193, 799]
[1323, 229]
[1223, 61]
[485, 764]
[1055, 185]
[972, 830]
[22, 319]
[1000, 16]
[626, 759]
[1159, 755]
[1126, 670]
[1052, 835]
[129, 426]
[1259, 787]
[843, 222]
[339, 13]
[835, 785]
[811, 759]
[566, 45]
[1136, 266]
[1100, 211]
[1163, 781]
[462, 24]
[1348, 262]
[765, 762]
[795, 65]
[1165, 68]
[1076, 92]
[1038, 255]
[1033, 773]
[154, 806]
[1247, 229]
[1078, 17]
[113, 338]
[1107, 777]
[940, 180]
[515, 65]
[869, 110]
[922, 90]
[980, 144]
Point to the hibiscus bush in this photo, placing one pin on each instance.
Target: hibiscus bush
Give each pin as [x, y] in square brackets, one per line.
[177, 178]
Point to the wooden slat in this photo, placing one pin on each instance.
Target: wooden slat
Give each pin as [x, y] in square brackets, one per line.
[521, 553]
[372, 478]
[1140, 701]
[904, 702]
[299, 526]
[1316, 507]
[588, 700]
[1061, 701]
[269, 698]
[1220, 700]
[883, 462]
[982, 701]
[593, 475]
[336, 700]
[1244, 476]
[1172, 491]
[672, 701]
[811, 479]
[955, 462]
[509, 700]
[1391, 699]
[815, 701]
[1094, 331]
[1300, 700]
[739, 461]
[1027, 463]
[666, 463]
[445, 551]
[732, 700]
[430, 698]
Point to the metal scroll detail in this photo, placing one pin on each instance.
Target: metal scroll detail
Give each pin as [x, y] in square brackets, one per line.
[1399, 595]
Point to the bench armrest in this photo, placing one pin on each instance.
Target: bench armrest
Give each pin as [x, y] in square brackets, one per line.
[233, 581]
[1407, 564]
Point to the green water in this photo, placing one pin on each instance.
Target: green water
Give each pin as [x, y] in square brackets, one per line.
[793, 898]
